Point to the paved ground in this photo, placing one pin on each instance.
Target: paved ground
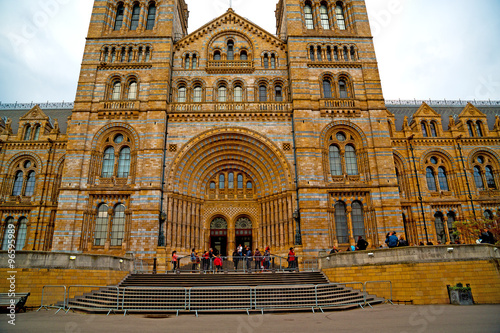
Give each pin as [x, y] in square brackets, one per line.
[382, 318]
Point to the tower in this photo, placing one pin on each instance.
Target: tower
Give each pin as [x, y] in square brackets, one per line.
[110, 199]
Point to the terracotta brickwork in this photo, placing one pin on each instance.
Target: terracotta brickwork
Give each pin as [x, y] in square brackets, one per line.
[425, 283]
[231, 134]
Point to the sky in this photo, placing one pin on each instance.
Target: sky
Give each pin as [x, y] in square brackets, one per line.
[426, 49]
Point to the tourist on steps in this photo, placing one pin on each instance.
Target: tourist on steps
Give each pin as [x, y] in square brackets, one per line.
[174, 261]
[218, 264]
[195, 260]
[258, 259]
[291, 259]
[236, 259]
[267, 258]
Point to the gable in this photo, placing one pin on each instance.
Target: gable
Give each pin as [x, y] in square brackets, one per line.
[470, 111]
[34, 114]
[425, 111]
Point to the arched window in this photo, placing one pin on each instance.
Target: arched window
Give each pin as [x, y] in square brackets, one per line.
[262, 93]
[147, 56]
[341, 222]
[443, 180]
[353, 54]
[336, 53]
[339, 14]
[249, 185]
[105, 55]
[118, 226]
[197, 94]
[139, 54]
[238, 94]
[490, 180]
[130, 54]
[212, 185]
[230, 180]
[21, 233]
[9, 225]
[325, 22]
[439, 225]
[186, 62]
[327, 88]
[119, 17]
[18, 184]
[424, 129]
[346, 54]
[431, 180]
[124, 163]
[222, 182]
[181, 95]
[451, 226]
[398, 179]
[273, 61]
[117, 90]
[108, 163]
[230, 50]
[478, 179]
[266, 61]
[136, 11]
[309, 16]
[113, 54]
[243, 55]
[319, 55]
[101, 226]
[132, 90]
[195, 61]
[488, 215]
[479, 129]
[351, 161]
[278, 94]
[358, 220]
[37, 132]
[151, 16]
[217, 55]
[27, 133]
[30, 184]
[433, 129]
[343, 89]
[311, 53]
[221, 94]
[328, 53]
[240, 181]
[469, 127]
[335, 161]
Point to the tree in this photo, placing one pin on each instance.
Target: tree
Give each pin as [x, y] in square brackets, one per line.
[469, 231]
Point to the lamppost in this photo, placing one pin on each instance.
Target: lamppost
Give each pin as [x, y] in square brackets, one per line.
[418, 188]
[465, 173]
[298, 237]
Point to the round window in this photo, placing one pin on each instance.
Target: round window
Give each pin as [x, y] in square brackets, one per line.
[480, 159]
[27, 164]
[341, 136]
[434, 160]
[118, 139]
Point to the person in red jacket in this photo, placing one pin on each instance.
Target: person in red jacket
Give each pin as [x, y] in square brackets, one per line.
[218, 263]
[174, 261]
[291, 259]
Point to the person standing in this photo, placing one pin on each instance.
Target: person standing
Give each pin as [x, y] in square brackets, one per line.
[402, 242]
[362, 244]
[218, 263]
[392, 240]
[248, 254]
[194, 260]
[267, 258]
[258, 259]
[236, 258]
[206, 261]
[174, 261]
[291, 259]
[487, 237]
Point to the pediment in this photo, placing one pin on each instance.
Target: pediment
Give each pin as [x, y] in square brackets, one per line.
[34, 114]
[229, 22]
[425, 111]
[470, 111]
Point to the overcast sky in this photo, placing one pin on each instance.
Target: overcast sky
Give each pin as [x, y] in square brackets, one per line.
[425, 48]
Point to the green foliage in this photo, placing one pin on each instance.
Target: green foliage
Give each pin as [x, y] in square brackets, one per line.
[470, 230]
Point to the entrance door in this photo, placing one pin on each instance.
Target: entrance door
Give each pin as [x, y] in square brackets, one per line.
[218, 236]
[243, 232]
[219, 245]
[244, 241]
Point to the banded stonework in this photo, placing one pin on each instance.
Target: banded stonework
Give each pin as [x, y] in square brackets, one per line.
[232, 135]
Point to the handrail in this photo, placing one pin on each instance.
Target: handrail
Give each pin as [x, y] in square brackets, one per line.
[51, 306]
[382, 281]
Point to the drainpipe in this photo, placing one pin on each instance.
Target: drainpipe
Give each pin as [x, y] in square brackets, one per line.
[296, 213]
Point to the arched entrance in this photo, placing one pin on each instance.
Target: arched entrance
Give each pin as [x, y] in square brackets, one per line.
[218, 235]
[243, 232]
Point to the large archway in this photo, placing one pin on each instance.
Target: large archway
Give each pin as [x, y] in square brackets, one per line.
[230, 172]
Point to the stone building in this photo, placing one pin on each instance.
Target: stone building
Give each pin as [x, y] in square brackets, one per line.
[232, 135]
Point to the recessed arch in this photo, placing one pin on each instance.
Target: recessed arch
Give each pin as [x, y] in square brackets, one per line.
[115, 126]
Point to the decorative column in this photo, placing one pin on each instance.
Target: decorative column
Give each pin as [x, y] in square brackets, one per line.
[349, 225]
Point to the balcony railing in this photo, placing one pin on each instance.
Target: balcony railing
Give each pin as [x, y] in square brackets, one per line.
[230, 66]
[339, 104]
[231, 107]
[120, 105]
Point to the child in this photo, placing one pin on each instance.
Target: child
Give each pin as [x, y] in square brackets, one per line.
[218, 263]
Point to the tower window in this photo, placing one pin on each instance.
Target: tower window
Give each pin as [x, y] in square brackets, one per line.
[195, 61]
[181, 95]
[221, 94]
[327, 88]
[197, 94]
[309, 16]
[266, 61]
[339, 14]
[135, 17]
[325, 23]
[238, 94]
[151, 16]
[273, 61]
[27, 133]
[343, 89]
[119, 17]
[217, 55]
[132, 90]
[278, 94]
[243, 55]
[117, 89]
[230, 50]
[262, 93]
[186, 62]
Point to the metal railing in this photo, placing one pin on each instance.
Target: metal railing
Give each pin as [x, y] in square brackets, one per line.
[45, 105]
[53, 297]
[151, 299]
[444, 102]
[386, 300]
[112, 302]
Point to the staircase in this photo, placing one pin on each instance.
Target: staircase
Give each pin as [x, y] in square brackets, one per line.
[221, 293]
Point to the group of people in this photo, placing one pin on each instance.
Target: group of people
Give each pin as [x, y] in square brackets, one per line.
[393, 241]
[361, 245]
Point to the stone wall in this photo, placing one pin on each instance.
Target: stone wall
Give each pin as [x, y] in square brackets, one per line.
[33, 270]
[421, 274]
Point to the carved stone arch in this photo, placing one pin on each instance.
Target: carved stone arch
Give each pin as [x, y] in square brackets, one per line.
[202, 152]
[213, 217]
[485, 150]
[342, 123]
[221, 81]
[59, 165]
[220, 32]
[116, 126]
[25, 155]
[442, 153]
[198, 81]
[243, 221]
[398, 157]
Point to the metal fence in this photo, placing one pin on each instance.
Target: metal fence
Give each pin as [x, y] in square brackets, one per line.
[53, 297]
[209, 298]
